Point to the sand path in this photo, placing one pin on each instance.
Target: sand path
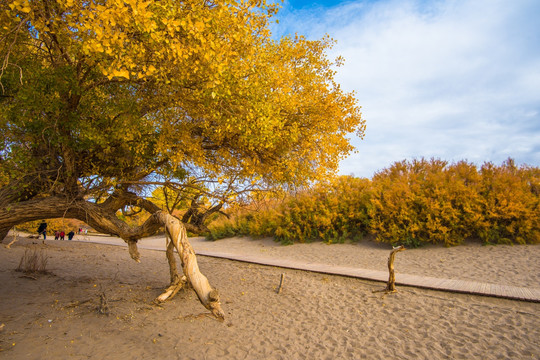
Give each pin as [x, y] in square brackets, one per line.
[499, 271]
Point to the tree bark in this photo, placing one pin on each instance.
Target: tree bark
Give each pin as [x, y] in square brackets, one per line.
[196, 218]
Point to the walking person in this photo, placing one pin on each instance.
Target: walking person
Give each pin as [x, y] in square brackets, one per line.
[56, 235]
[42, 229]
[71, 234]
[62, 235]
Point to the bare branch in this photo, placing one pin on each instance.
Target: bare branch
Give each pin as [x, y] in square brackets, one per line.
[6, 62]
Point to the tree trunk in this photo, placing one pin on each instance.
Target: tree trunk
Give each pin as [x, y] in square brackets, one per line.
[208, 296]
[177, 282]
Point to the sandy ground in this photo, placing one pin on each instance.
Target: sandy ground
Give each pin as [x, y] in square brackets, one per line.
[317, 316]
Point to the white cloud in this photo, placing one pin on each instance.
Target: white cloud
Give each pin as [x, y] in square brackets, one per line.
[452, 79]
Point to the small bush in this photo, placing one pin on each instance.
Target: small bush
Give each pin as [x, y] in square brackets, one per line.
[333, 212]
[255, 220]
[424, 201]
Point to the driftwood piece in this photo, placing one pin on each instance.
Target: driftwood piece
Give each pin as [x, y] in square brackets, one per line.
[391, 285]
[15, 238]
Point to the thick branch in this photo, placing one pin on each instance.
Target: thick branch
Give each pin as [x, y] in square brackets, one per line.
[99, 217]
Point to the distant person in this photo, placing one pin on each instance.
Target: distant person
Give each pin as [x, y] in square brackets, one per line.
[56, 235]
[42, 229]
[62, 235]
[80, 230]
[71, 234]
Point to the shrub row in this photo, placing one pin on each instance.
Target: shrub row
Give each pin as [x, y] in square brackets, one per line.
[411, 203]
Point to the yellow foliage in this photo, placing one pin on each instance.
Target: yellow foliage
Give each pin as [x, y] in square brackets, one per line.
[194, 85]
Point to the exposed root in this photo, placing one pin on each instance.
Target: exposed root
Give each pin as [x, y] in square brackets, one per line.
[386, 292]
[76, 303]
[197, 317]
[172, 290]
[28, 277]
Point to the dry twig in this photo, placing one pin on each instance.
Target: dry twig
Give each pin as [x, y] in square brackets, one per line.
[281, 281]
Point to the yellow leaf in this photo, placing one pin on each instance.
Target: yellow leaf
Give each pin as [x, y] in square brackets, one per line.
[199, 26]
[121, 73]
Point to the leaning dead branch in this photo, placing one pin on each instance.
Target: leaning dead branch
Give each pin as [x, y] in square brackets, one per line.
[391, 286]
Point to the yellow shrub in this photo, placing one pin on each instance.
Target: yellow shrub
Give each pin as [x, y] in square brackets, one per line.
[510, 204]
[411, 203]
[425, 202]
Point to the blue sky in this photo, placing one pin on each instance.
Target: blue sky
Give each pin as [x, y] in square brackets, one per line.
[302, 4]
[450, 79]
